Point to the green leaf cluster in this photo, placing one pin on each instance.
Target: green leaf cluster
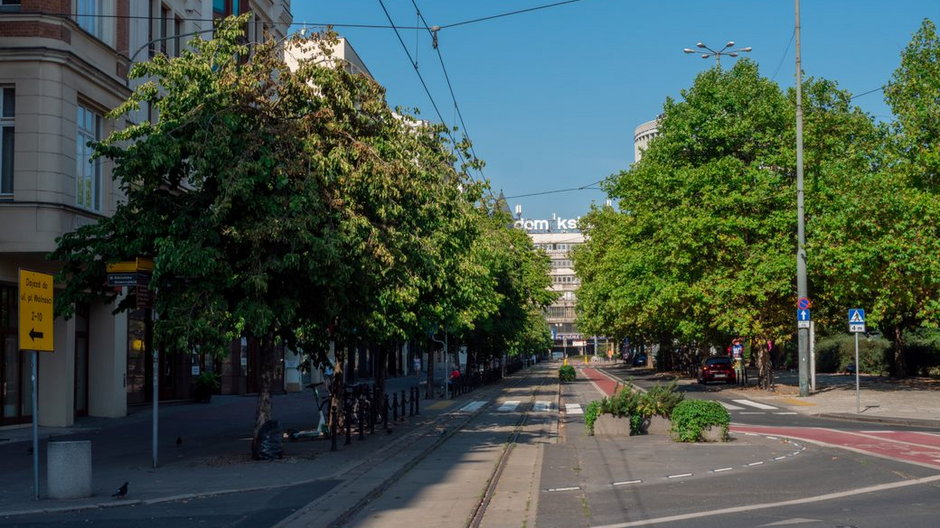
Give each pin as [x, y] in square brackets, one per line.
[691, 418]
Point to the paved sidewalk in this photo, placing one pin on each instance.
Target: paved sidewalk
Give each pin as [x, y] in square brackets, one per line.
[212, 459]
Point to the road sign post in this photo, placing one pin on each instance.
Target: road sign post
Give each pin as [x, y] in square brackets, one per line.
[36, 324]
[857, 326]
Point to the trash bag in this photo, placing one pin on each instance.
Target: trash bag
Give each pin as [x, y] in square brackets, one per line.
[267, 445]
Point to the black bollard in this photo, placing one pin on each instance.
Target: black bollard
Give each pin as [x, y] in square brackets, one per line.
[347, 410]
[373, 409]
[417, 401]
[403, 405]
[395, 406]
[361, 415]
[333, 416]
[385, 415]
[411, 401]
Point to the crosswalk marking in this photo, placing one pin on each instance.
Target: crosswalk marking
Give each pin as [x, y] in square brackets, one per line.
[472, 406]
[755, 404]
[541, 406]
[573, 408]
[509, 406]
[731, 407]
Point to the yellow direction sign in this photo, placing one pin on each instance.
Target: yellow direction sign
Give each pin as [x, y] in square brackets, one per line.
[36, 320]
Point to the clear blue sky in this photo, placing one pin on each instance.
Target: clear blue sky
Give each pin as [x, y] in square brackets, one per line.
[551, 97]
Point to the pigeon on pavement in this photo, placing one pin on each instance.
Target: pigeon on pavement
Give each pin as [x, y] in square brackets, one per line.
[121, 492]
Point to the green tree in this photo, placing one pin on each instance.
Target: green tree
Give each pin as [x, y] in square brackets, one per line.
[287, 206]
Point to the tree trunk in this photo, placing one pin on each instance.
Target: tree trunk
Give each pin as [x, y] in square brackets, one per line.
[263, 410]
[429, 388]
[337, 386]
[897, 348]
[764, 374]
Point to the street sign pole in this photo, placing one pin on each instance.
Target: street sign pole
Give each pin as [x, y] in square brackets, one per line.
[858, 398]
[35, 402]
[812, 356]
[801, 285]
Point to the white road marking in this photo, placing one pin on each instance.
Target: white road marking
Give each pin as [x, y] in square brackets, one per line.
[680, 475]
[786, 412]
[788, 522]
[755, 463]
[573, 408]
[752, 412]
[625, 482]
[570, 488]
[756, 405]
[730, 407]
[509, 406]
[541, 406]
[472, 406]
[767, 505]
[721, 470]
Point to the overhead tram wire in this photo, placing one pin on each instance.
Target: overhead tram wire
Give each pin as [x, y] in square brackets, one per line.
[590, 186]
[325, 24]
[510, 13]
[785, 52]
[421, 78]
[453, 97]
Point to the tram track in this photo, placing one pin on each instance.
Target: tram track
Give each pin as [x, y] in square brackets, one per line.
[449, 425]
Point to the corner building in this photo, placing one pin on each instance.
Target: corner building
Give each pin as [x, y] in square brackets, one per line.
[63, 66]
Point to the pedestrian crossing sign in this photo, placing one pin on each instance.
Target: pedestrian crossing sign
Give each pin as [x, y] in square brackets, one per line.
[856, 320]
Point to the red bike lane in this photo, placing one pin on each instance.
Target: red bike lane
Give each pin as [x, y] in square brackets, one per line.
[604, 385]
[918, 448]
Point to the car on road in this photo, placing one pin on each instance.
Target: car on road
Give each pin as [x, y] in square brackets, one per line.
[639, 360]
[719, 368]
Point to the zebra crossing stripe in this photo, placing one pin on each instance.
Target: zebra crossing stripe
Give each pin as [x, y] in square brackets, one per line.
[509, 406]
[472, 406]
[573, 408]
[730, 407]
[755, 404]
[541, 406]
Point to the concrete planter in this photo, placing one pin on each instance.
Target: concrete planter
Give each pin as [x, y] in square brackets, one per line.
[714, 434]
[68, 468]
[610, 425]
[658, 425]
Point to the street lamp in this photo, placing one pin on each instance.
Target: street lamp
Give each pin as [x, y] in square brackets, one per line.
[726, 50]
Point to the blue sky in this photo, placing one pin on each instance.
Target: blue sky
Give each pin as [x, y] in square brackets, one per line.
[551, 97]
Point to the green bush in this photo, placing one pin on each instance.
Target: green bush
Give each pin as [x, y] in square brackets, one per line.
[659, 401]
[833, 353]
[591, 412]
[690, 418]
[922, 352]
[566, 373]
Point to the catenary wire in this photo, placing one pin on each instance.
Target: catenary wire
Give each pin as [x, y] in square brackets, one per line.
[570, 189]
[785, 52]
[421, 78]
[510, 13]
[450, 86]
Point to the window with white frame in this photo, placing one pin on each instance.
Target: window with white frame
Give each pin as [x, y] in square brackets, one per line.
[87, 171]
[7, 114]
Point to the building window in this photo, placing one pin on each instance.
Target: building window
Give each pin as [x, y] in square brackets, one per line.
[177, 41]
[87, 170]
[88, 16]
[164, 28]
[7, 113]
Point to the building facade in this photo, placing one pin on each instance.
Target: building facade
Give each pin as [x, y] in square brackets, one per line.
[63, 65]
[642, 135]
[557, 237]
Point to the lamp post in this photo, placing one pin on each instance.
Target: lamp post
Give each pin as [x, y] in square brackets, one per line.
[726, 50]
[803, 336]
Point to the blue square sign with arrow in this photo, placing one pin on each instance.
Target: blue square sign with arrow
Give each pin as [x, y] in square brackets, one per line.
[803, 318]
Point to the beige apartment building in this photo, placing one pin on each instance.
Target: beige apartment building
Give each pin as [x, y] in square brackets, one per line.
[63, 66]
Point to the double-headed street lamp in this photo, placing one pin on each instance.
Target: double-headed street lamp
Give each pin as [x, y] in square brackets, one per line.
[718, 53]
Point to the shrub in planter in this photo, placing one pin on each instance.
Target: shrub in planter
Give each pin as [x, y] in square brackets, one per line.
[206, 384]
[659, 401]
[591, 412]
[691, 418]
[566, 373]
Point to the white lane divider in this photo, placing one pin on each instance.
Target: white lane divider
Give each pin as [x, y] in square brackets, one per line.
[573, 408]
[730, 407]
[756, 405]
[542, 406]
[509, 406]
[472, 406]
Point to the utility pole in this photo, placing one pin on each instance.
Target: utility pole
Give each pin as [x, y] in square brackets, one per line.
[802, 333]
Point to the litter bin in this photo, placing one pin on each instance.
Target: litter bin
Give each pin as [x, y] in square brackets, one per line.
[68, 470]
